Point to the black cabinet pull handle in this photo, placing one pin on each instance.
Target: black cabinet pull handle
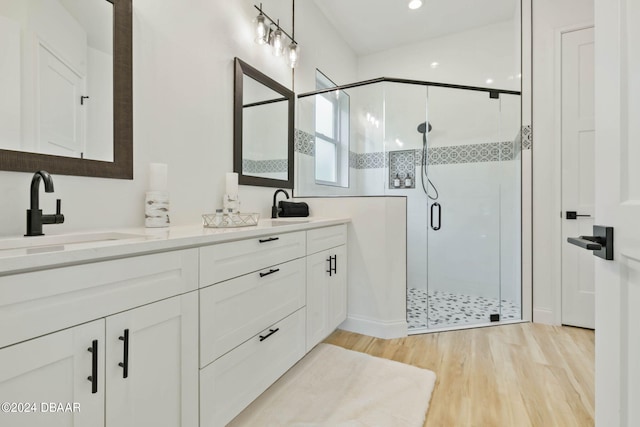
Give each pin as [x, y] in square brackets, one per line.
[270, 239]
[330, 270]
[436, 205]
[271, 332]
[335, 264]
[94, 366]
[271, 271]
[125, 360]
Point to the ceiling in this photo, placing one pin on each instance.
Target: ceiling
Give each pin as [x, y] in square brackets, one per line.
[370, 26]
[96, 17]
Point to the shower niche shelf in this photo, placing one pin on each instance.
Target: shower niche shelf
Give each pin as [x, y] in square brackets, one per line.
[402, 163]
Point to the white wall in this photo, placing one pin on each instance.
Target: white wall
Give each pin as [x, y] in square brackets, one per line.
[465, 58]
[550, 17]
[183, 116]
[323, 48]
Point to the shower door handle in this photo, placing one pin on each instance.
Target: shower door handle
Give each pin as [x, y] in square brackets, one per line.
[436, 206]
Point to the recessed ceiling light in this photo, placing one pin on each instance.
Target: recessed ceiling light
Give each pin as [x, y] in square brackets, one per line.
[489, 81]
[415, 4]
[435, 64]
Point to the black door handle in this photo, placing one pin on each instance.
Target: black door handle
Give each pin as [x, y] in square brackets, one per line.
[601, 243]
[437, 206]
[574, 215]
[125, 356]
[589, 243]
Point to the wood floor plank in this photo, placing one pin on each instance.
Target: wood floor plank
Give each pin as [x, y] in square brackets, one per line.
[511, 375]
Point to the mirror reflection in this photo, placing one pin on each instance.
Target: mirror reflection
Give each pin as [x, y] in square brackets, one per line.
[264, 131]
[56, 77]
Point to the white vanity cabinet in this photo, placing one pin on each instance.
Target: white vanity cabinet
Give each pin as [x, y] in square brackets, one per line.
[326, 282]
[156, 342]
[181, 333]
[157, 345]
[252, 327]
[54, 368]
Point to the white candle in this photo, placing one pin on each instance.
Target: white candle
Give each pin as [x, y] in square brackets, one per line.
[232, 183]
[158, 177]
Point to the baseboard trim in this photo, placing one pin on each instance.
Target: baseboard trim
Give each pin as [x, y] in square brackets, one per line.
[375, 328]
[543, 315]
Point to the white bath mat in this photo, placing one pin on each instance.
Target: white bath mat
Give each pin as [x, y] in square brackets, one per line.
[335, 387]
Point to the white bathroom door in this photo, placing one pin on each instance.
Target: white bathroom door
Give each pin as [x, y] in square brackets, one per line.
[578, 179]
[617, 205]
[60, 123]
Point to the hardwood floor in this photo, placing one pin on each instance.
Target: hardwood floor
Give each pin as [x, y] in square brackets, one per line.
[513, 375]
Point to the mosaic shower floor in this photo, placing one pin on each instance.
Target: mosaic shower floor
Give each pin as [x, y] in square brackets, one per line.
[439, 309]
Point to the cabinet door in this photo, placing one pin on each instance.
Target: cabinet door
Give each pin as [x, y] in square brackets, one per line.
[161, 360]
[54, 369]
[317, 320]
[337, 288]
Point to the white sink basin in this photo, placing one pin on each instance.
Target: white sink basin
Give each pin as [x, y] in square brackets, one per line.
[63, 239]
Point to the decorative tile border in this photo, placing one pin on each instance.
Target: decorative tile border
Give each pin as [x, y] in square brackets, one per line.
[264, 166]
[455, 154]
[471, 153]
[304, 143]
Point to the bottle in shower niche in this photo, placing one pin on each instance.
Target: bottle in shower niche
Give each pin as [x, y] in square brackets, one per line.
[396, 181]
[408, 182]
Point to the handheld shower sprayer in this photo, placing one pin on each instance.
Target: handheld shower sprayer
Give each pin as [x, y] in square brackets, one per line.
[424, 128]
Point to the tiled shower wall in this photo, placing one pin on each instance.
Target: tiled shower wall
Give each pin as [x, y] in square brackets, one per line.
[469, 153]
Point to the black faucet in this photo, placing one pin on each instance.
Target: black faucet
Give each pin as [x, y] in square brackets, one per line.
[35, 218]
[274, 208]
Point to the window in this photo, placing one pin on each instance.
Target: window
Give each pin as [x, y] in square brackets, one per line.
[332, 135]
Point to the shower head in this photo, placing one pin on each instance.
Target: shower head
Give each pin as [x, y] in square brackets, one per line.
[422, 127]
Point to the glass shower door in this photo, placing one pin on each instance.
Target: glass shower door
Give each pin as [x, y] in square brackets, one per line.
[464, 207]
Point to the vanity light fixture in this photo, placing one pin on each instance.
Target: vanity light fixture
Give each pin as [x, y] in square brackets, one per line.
[262, 30]
[415, 4]
[270, 32]
[293, 54]
[277, 41]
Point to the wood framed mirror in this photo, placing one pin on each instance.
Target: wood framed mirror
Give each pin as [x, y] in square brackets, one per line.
[120, 163]
[263, 129]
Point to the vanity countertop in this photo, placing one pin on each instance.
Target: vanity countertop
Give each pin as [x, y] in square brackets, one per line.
[142, 241]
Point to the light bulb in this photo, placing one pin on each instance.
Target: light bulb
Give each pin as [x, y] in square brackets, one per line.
[293, 54]
[277, 42]
[261, 29]
[415, 4]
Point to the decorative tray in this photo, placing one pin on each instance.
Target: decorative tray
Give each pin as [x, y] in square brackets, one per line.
[229, 221]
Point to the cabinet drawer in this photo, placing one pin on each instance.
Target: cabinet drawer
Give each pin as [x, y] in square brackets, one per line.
[228, 260]
[233, 381]
[320, 239]
[231, 312]
[41, 302]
